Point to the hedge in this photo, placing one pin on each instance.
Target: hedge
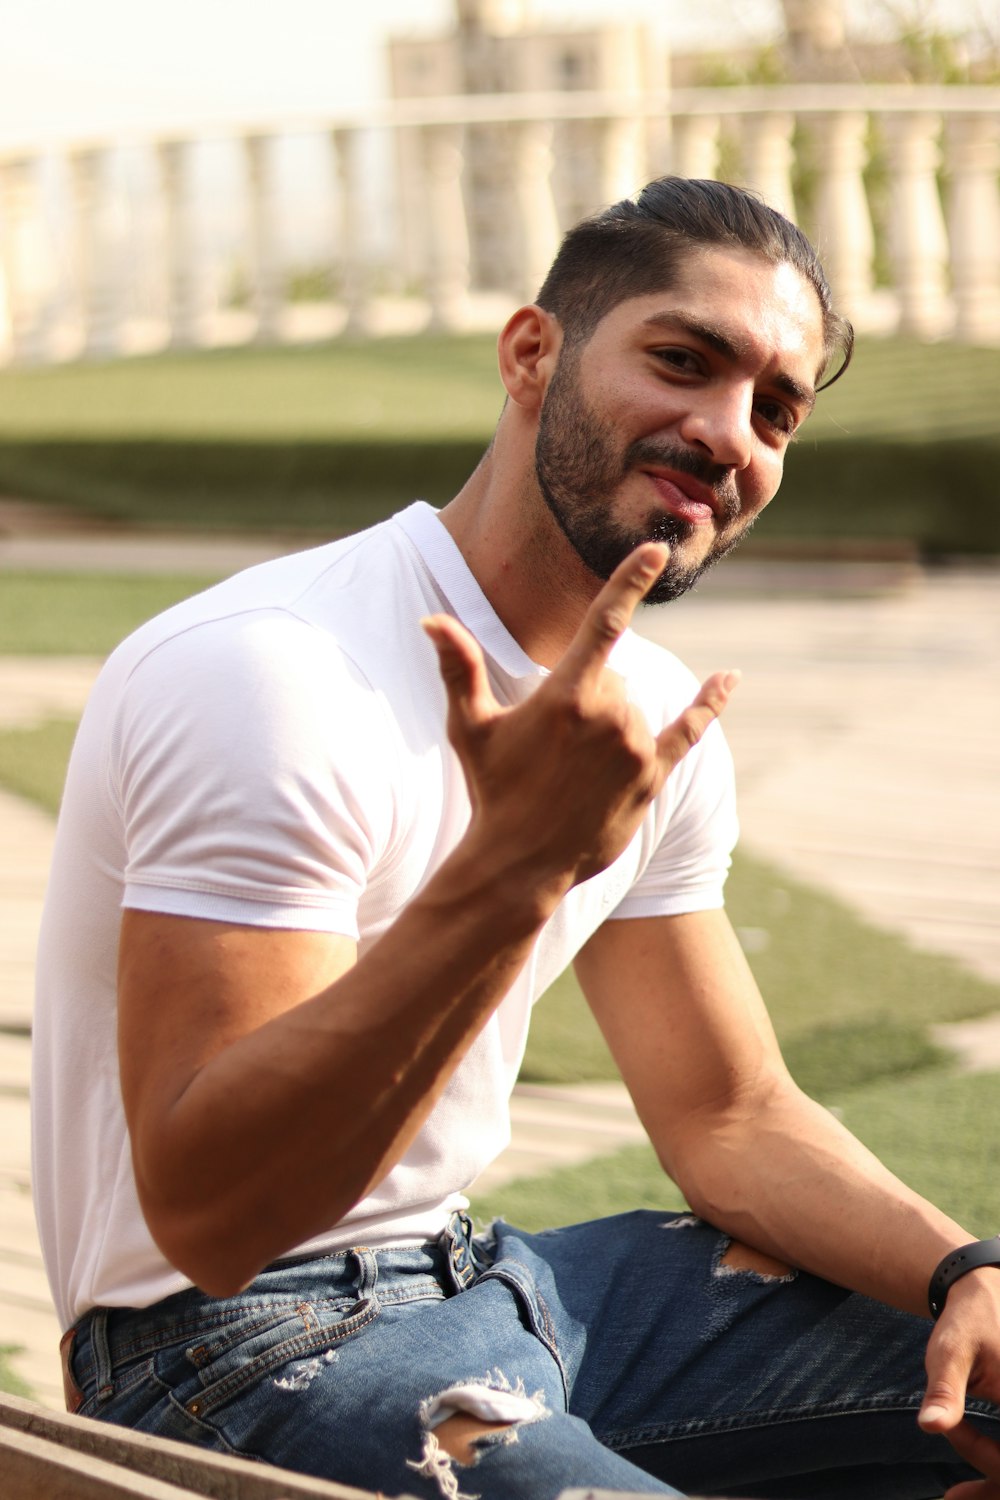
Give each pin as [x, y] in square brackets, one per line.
[937, 497]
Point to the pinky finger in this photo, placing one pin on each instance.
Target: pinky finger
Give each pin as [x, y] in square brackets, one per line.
[683, 734]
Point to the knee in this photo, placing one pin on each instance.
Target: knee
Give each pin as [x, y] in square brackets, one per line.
[740, 1257]
[461, 1435]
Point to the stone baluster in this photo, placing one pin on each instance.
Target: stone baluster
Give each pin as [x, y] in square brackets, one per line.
[972, 144]
[353, 272]
[768, 158]
[181, 275]
[539, 222]
[845, 237]
[96, 290]
[19, 221]
[447, 270]
[696, 145]
[623, 159]
[918, 242]
[267, 291]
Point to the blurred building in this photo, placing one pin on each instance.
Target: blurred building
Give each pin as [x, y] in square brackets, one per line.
[495, 48]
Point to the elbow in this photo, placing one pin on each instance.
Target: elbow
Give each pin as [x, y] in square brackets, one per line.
[215, 1261]
[221, 1241]
[201, 1236]
[220, 1229]
[713, 1156]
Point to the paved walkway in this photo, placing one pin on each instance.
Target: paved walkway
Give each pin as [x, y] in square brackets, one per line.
[866, 736]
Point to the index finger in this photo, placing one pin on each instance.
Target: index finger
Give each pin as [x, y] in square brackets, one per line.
[611, 613]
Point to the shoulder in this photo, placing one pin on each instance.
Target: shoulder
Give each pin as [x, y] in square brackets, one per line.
[658, 681]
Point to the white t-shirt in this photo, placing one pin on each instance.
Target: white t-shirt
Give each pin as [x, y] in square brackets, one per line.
[273, 752]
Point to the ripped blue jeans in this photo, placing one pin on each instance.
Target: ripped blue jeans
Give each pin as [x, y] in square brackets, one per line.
[624, 1354]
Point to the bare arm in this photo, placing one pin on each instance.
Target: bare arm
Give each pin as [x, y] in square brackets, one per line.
[751, 1152]
[270, 1080]
[754, 1156]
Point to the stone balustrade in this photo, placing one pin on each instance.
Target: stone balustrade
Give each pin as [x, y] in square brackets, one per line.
[444, 211]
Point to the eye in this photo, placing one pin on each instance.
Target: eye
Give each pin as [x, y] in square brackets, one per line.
[776, 415]
[682, 361]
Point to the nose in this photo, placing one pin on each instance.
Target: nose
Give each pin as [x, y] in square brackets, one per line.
[721, 425]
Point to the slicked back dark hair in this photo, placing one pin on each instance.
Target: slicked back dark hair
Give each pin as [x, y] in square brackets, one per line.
[635, 247]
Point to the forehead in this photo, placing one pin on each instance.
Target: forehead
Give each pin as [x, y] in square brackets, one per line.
[766, 312]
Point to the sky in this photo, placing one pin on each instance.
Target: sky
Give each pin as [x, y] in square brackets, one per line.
[78, 68]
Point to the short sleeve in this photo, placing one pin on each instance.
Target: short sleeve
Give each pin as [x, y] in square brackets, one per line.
[694, 830]
[253, 768]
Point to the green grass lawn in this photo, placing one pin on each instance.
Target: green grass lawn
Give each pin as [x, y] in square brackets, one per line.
[329, 438]
[33, 761]
[10, 1381]
[396, 387]
[403, 388]
[83, 614]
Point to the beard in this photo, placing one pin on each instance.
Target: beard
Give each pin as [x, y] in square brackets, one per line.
[578, 466]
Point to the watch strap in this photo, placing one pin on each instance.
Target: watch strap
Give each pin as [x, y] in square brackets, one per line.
[957, 1264]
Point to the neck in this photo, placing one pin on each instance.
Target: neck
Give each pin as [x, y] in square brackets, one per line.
[519, 556]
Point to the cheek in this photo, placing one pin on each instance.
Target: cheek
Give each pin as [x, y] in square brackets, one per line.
[762, 484]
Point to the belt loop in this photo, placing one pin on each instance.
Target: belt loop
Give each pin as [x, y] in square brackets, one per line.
[458, 1248]
[367, 1271]
[101, 1354]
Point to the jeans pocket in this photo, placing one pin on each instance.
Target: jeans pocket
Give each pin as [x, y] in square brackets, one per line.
[228, 1360]
[136, 1389]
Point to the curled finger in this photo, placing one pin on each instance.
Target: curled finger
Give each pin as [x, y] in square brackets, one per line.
[982, 1452]
[463, 670]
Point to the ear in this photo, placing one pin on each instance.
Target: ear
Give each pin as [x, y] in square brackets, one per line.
[528, 349]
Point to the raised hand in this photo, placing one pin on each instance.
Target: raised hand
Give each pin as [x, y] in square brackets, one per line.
[559, 783]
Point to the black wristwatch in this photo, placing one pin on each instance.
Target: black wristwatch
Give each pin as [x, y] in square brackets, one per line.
[959, 1263]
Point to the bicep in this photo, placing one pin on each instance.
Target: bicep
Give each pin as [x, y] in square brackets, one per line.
[683, 1017]
[189, 988]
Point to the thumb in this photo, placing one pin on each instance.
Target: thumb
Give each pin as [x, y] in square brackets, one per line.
[944, 1402]
[463, 671]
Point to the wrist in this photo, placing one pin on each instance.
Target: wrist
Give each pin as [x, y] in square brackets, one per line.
[958, 1264]
[515, 880]
[507, 891]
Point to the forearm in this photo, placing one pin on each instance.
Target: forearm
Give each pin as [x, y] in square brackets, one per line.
[782, 1174]
[306, 1113]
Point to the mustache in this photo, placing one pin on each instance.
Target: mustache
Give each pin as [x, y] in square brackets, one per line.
[718, 477]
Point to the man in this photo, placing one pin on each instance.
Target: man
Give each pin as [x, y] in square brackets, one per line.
[295, 930]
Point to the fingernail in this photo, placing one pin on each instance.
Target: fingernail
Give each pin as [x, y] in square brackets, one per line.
[932, 1414]
[652, 564]
[732, 679]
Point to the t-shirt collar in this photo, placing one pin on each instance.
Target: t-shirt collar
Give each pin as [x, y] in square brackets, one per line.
[454, 579]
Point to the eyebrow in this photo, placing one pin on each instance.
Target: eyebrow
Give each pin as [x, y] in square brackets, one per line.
[732, 349]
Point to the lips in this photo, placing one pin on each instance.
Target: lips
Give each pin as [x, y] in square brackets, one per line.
[684, 496]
